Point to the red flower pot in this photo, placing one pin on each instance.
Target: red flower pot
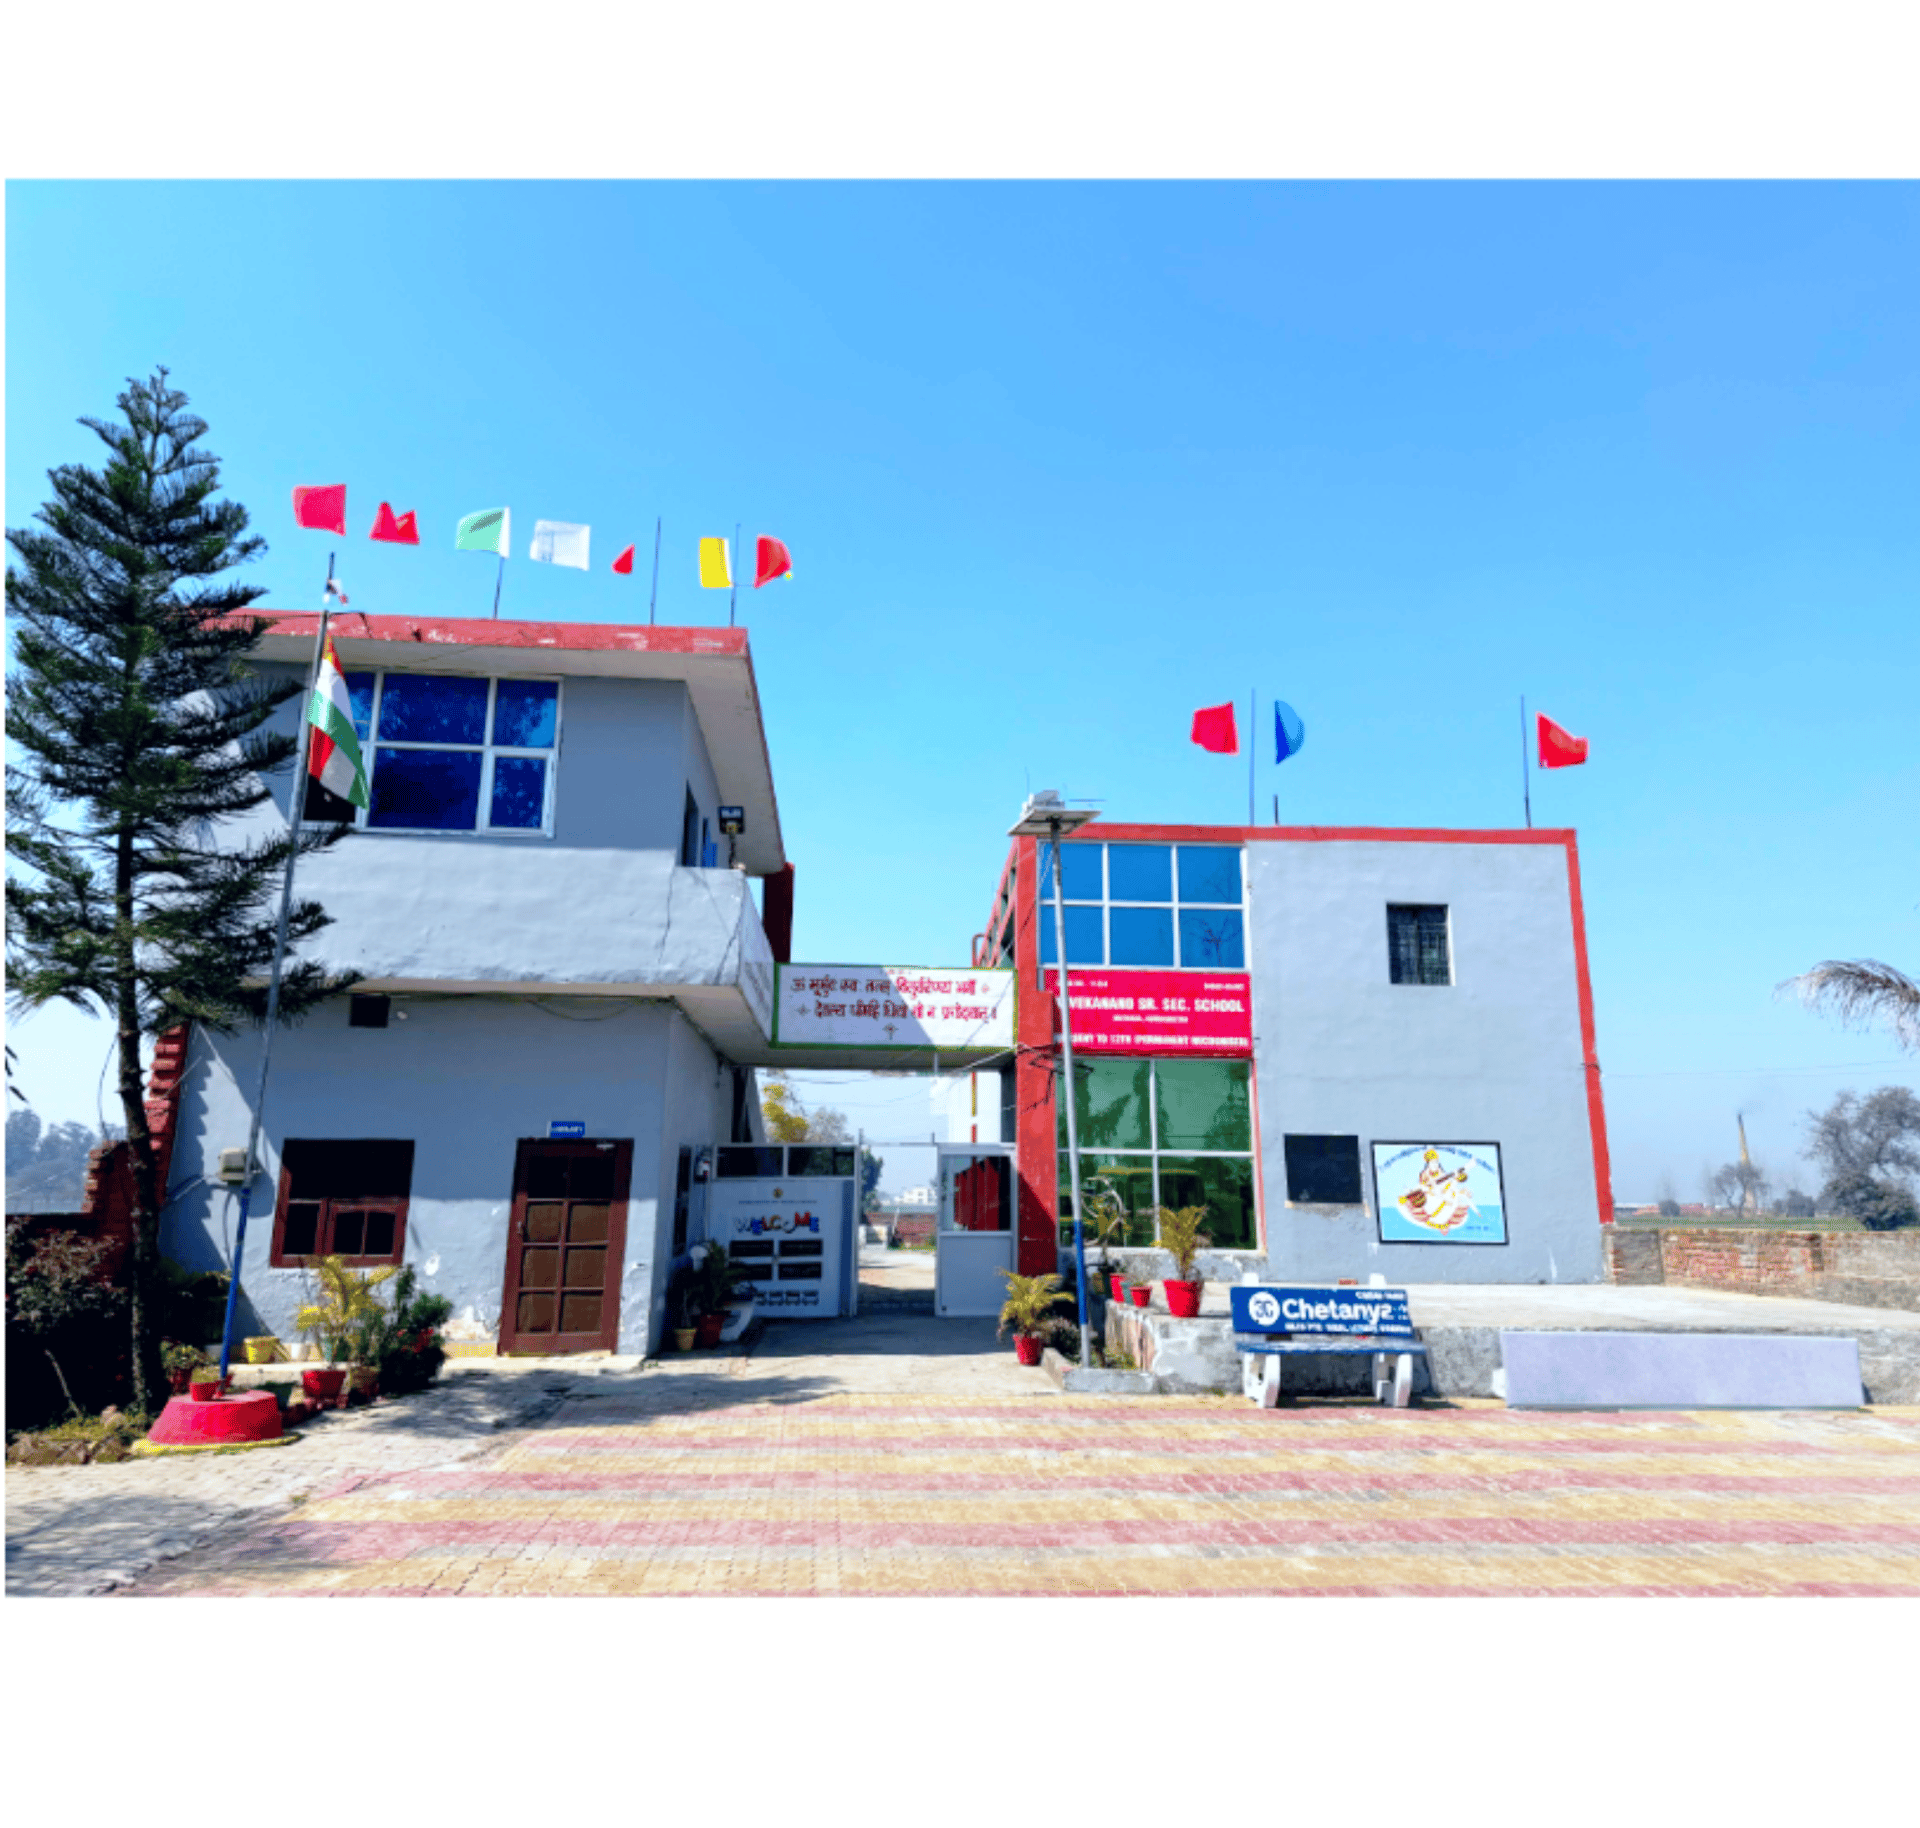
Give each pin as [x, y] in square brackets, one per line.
[1117, 1288]
[205, 1393]
[178, 1382]
[707, 1333]
[1183, 1299]
[324, 1386]
[1027, 1349]
[1141, 1292]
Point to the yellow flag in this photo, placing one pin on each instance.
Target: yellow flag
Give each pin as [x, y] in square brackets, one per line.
[715, 572]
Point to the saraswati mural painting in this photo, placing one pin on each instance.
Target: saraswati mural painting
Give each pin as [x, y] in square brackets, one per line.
[1439, 1193]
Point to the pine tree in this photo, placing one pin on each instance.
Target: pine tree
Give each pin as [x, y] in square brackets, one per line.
[141, 729]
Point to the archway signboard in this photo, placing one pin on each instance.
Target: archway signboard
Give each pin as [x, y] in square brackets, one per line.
[887, 1008]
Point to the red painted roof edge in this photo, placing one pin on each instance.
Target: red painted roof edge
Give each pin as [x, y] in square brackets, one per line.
[1311, 834]
[472, 631]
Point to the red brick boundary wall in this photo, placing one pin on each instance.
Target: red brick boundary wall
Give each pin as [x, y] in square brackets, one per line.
[1864, 1269]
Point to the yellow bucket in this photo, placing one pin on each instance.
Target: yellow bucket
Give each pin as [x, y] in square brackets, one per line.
[262, 1351]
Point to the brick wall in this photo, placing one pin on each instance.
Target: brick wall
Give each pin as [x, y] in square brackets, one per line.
[1865, 1269]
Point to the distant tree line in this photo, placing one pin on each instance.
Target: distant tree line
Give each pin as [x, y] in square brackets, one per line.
[1868, 1150]
[47, 1165]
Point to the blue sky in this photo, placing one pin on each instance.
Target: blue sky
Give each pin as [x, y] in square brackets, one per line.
[1058, 463]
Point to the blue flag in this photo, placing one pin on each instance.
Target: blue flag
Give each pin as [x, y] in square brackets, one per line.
[1288, 731]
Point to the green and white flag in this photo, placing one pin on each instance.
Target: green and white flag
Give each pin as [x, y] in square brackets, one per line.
[483, 532]
[333, 751]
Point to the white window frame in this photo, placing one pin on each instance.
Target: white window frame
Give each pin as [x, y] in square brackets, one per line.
[1106, 904]
[488, 751]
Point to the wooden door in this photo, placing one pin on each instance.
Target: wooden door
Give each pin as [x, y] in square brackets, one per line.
[565, 1246]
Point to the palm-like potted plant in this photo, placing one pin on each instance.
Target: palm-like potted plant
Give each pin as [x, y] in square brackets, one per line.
[1029, 1306]
[1182, 1239]
[338, 1320]
[683, 1307]
[1106, 1220]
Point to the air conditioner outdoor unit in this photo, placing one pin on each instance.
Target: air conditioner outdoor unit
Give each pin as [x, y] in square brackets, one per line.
[233, 1166]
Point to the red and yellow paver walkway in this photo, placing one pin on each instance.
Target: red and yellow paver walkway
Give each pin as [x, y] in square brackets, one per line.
[645, 1490]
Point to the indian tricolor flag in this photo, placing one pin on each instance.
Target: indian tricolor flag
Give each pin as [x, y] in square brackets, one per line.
[333, 757]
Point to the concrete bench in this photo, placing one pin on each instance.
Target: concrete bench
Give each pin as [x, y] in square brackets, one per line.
[1272, 1322]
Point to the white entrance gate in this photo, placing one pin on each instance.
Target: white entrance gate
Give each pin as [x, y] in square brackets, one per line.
[975, 1241]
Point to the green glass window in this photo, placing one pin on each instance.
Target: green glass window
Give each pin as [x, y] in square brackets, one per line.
[1166, 1133]
[1129, 1176]
[1203, 1104]
[1221, 1183]
[1112, 1107]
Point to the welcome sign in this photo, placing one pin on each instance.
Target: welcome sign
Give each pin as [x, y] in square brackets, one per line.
[892, 1006]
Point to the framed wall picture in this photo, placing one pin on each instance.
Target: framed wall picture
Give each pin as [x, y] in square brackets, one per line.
[1439, 1193]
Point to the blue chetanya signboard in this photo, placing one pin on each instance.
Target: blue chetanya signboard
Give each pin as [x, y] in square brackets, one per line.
[566, 1129]
[1278, 1308]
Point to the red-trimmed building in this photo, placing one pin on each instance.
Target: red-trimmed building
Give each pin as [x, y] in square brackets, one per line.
[1365, 1050]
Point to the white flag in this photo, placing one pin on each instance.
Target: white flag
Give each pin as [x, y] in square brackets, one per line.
[560, 542]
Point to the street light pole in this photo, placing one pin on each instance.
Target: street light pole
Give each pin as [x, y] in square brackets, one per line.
[1073, 1116]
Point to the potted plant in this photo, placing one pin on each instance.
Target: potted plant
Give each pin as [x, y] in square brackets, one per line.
[411, 1348]
[1029, 1306]
[1106, 1221]
[262, 1350]
[717, 1277]
[683, 1307]
[205, 1384]
[343, 1303]
[180, 1362]
[1183, 1240]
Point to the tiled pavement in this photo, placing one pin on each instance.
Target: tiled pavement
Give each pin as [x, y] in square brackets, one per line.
[761, 1484]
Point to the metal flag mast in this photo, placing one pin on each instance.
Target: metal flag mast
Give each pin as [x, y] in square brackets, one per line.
[1253, 724]
[653, 602]
[295, 808]
[499, 578]
[733, 591]
[1526, 773]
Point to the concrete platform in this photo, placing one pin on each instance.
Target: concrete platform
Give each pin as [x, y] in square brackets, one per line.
[1461, 1323]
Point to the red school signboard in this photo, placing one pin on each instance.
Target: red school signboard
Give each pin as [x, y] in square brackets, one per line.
[1174, 1012]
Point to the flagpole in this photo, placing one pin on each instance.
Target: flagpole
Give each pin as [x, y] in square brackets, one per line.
[653, 602]
[1253, 744]
[296, 806]
[733, 595]
[1526, 776]
[500, 578]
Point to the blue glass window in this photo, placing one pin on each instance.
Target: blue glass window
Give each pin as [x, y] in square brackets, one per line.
[1141, 936]
[433, 708]
[1086, 944]
[360, 696]
[1082, 879]
[519, 792]
[526, 713]
[1210, 872]
[425, 789]
[1212, 936]
[1140, 872]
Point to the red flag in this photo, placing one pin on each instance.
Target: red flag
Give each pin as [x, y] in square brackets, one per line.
[322, 509]
[1557, 748]
[624, 563]
[1214, 730]
[771, 560]
[401, 530]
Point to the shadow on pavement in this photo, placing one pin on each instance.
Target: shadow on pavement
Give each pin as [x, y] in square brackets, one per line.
[883, 1334]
